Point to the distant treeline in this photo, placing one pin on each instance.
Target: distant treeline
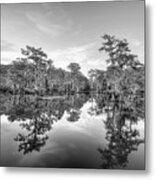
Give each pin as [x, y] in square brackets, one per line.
[35, 73]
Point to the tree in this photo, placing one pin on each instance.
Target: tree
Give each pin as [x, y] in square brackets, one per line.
[20, 73]
[121, 63]
[97, 79]
[74, 68]
[30, 71]
[34, 54]
[119, 53]
[92, 75]
[41, 63]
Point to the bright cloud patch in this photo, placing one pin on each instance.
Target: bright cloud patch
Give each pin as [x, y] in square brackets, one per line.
[62, 57]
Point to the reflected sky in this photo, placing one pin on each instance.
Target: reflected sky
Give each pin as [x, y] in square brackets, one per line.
[76, 132]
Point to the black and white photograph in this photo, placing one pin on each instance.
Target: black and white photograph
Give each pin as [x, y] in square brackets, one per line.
[72, 85]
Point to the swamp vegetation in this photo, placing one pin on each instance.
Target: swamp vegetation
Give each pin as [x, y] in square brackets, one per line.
[66, 119]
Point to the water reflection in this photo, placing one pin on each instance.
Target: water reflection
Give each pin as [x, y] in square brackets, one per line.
[121, 135]
[36, 118]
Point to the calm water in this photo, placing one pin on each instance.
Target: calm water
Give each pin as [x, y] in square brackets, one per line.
[72, 132]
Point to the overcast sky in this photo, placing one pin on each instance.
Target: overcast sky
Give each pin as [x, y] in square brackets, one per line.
[71, 32]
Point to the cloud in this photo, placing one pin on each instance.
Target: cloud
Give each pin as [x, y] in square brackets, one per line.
[8, 52]
[51, 30]
[137, 47]
[50, 23]
[6, 46]
[135, 42]
[8, 56]
[86, 56]
[79, 54]
[95, 62]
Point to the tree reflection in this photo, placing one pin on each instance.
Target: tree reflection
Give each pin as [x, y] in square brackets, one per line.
[35, 122]
[36, 117]
[74, 115]
[121, 144]
[36, 137]
[121, 135]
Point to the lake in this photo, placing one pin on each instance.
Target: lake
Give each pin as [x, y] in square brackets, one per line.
[80, 131]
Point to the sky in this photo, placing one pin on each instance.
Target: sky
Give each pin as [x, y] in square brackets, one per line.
[71, 32]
